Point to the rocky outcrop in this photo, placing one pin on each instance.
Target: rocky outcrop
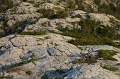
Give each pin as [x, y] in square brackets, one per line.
[55, 57]
[51, 56]
[45, 23]
[90, 72]
[25, 7]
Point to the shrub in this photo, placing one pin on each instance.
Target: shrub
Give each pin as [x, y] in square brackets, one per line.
[6, 77]
[12, 29]
[89, 61]
[79, 61]
[107, 41]
[118, 64]
[88, 58]
[72, 33]
[16, 26]
[60, 71]
[56, 44]
[110, 68]
[18, 64]
[40, 39]
[44, 77]
[97, 2]
[91, 33]
[107, 54]
[5, 5]
[85, 40]
[29, 72]
[33, 58]
[34, 33]
[47, 37]
[53, 13]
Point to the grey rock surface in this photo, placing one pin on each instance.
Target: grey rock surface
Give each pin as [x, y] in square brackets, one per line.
[90, 72]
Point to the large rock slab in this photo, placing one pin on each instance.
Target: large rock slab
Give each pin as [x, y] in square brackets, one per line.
[90, 72]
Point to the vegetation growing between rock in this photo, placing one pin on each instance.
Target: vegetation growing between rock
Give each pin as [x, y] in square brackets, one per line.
[110, 68]
[29, 72]
[5, 77]
[90, 33]
[107, 54]
[80, 61]
[53, 13]
[34, 33]
[33, 58]
[5, 5]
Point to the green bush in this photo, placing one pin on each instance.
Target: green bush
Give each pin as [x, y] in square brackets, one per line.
[110, 68]
[33, 58]
[80, 5]
[97, 2]
[18, 64]
[107, 54]
[29, 72]
[53, 13]
[72, 33]
[89, 61]
[6, 77]
[90, 40]
[44, 77]
[91, 33]
[118, 64]
[5, 5]
[16, 26]
[12, 29]
[47, 37]
[56, 44]
[79, 61]
[34, 33]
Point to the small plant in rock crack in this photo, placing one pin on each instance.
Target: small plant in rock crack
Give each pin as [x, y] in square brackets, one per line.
[29, 72]
[56, 44]
[33, 33]
[59, 71]
[88, 58]
[47, 37]
[107, 54]
[5, 77]
[33, 58]
[118, 64]
[110, 68]
[18, 64]
[44, 77]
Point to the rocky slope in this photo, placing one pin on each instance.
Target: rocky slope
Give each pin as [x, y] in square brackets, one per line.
[36, 39]
[55, 56]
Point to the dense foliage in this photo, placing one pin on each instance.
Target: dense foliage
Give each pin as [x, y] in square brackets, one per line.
[91, 33]
[52, 14]
[110, 68]
[107, 54]
[5, 5]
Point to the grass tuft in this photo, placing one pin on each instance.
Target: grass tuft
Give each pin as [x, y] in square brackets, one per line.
[34, 33]
[110, 68]
[107, 54]
[29, 72]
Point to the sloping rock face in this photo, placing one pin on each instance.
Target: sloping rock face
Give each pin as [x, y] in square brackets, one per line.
[25, 7]
[15, 49]
[90, 72]
[45, 23]
[50, 56]
[55, 57]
